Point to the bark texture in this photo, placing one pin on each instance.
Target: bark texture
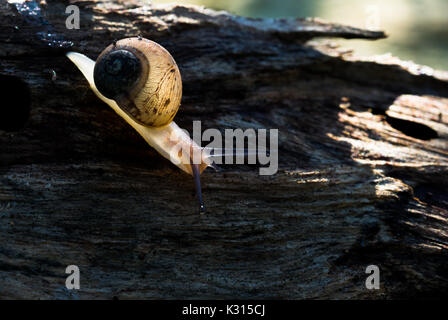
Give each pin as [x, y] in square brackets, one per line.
[362, 163]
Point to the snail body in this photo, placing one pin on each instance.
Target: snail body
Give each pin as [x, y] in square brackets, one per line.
[141, 82]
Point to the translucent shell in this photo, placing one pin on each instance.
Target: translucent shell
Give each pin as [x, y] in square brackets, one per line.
[142, 78]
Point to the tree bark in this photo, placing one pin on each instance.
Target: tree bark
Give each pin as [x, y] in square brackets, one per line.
[362, 173]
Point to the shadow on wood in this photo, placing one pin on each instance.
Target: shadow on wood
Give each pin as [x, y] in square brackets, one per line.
[362, 165]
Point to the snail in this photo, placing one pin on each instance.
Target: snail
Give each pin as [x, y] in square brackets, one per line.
[140, 81]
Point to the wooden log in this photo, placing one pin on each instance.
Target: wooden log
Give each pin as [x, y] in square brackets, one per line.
[362, 175]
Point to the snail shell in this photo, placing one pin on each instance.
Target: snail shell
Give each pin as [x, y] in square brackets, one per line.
[143, 79]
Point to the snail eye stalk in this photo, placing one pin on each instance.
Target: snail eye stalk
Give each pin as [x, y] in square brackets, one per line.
[197, 184]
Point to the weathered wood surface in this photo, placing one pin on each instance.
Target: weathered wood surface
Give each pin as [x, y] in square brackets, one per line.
[362, 164]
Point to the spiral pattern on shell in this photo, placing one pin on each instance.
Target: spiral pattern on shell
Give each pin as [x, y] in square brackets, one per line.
[143, 78]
